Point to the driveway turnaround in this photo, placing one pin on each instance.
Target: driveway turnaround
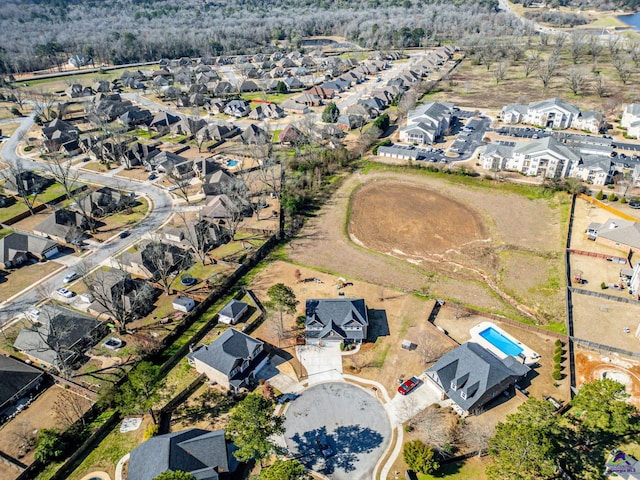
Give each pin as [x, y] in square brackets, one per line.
[348, 419]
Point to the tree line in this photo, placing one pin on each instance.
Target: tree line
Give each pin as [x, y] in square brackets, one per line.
[37, 35]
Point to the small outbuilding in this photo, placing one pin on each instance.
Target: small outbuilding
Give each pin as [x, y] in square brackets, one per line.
[232, 312]
[183, 304]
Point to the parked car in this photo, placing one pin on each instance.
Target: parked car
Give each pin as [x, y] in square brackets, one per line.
[152, 176]
[34, 314]
[124, 234]
[408, 385]
[63, 292]
[70, 277]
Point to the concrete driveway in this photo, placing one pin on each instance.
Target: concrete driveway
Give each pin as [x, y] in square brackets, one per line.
[352, 422]
[402, 407]
[323, 364]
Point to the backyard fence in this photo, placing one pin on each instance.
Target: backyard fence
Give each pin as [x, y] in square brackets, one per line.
[605, 296]
[164, 416]
[598, 347]
[606, 207]
[621, 260]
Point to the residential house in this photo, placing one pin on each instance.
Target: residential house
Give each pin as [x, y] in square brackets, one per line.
[223, 88]
[162, 121]
[204, 454]
[267, 110]
[106, 200]
[294, 107]
[222, 207]
[64, 226]
[232, 312]
[183, 304]
[348, 121]
[218, 182]
[117, 291]
[59, 337]
[217, 132]
[472, 376]
[494, 156]
[237, 108]
[187, 126]
[331, 321]
[58, 133]
[76, 91]
[249, 86]
[255, 135]
[631, 120]
[165, 158]
[231, 360]
[292, 136]
[26, 182]
[593, 169]
[293, 83]
[590, 121]
[321, 92]
[16, 249]
[427, 123]
[19, 381]
[152, 259]
[617, 233]
[135, 116]
[307, 99]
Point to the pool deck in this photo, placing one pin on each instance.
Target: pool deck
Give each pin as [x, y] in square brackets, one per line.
[530, 357]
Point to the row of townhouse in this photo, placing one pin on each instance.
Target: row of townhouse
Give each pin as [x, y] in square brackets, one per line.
[554, 113]
[549, 158]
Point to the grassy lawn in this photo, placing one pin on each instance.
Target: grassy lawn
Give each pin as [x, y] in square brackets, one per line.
[95, 167]
[19, 207]
[135, 216]
[24, 277]
[171, 138]
[276, 135]
[270, 97]
[51, 193]
[8, 128]
[200, 272]
[236, 246]
[142, 133]
[472, 468]
[178, 378]
[109, 451]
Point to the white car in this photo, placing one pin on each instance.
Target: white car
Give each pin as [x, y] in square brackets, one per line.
[34, 314]
[63, 292]
[71, 277]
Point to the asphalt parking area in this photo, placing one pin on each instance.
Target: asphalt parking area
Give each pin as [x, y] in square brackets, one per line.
[351, 420]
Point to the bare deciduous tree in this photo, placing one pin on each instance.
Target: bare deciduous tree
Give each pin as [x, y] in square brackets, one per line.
[577, 45]
[27, 185]
[430, 347]
[594, 47]
[577, 80]
[599, 85]
[530, 64]
[70, 407]
[623, 69]
[437, 429]
[547, 70]
[164, 261]
[476, 435]
[500, 71]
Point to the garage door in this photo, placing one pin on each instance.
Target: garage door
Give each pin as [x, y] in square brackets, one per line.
[331, 343]
[51, 253]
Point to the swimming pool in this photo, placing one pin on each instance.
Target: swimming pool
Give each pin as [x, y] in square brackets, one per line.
[501, 342]
[232, 163]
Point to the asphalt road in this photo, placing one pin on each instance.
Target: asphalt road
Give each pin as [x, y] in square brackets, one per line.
[160, 205]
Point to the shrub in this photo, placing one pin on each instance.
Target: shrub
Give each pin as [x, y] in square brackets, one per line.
[623, 200]
[15, 112]
[600, 195]
[419, 457]
[50, 445]
[558, 343]
[557, 358]
[603, 286]
[408, 428]
[612, 197]
[150, 432]
[556, 375]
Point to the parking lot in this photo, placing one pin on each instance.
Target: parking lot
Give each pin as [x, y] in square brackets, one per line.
[350, 420]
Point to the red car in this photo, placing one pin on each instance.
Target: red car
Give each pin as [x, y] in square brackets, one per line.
[408, 385]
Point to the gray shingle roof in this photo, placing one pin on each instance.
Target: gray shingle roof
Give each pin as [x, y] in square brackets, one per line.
[233, 308]
[227, 351]
[336, 315]
[22, 242]
[621, 231]
[476, 373]
[198, 451]
[15, 376]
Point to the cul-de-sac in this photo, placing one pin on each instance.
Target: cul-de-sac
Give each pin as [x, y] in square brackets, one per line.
[320, 240]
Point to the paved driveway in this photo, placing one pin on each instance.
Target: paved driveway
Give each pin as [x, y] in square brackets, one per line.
[323, 364]
[402, 407]
[352, 421]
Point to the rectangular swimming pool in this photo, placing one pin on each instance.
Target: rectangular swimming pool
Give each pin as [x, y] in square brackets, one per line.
[501, 342]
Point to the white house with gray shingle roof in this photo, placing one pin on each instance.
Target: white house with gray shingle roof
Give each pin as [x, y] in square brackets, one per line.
[472, 376]
[617, 233]
[331, 321]
[427, 122]
[232, 359]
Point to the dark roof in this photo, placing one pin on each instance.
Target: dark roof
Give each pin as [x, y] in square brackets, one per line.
[58, 326]
[475, 372]
[200, 452]
[233, 308]
[15, 377]
[335, 315]
[227, 351]
[23, 242]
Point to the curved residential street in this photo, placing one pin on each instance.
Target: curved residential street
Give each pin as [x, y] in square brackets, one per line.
[160, 208]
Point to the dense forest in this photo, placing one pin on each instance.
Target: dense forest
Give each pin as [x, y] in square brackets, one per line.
[36, 34]
[587, 4]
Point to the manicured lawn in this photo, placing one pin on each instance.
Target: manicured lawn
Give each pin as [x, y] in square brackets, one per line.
[24, 277]
[178, 378]
[200, 272]
[236, 246]
[142, 133]
[472, 468]
[171, 138]
[54, 191]
[135, 216]
[95, 167]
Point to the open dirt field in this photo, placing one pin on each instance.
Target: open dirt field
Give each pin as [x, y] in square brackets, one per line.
[541, 382]
[39, 415]
[385, 218]
[461, 277]
[592, 366]
[603, 321]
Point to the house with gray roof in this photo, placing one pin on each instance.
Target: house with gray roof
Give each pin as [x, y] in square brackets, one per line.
[59, 337]
[553, 113]
[232, 312]
[472, 376]
[331, 321]
[19, 380]
[204, 454]
[617, 233]
[232, 359]
[631, 120]
[402, 152]
[64, 226]
[16, 249]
